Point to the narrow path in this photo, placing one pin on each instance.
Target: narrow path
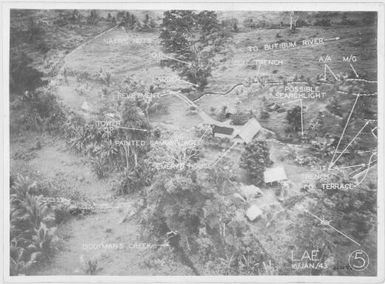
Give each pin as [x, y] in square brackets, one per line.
[62, 62]
[281, 83]
[206, 118]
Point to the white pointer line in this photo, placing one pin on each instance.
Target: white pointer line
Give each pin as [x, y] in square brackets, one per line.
[291, 102]
[132, 128]
[373, 132]
[301, 117]
[338, 231]
[304, 46]
[357, 170]
[343, 132]
[325, 72]
[331, 71]
[355, 137]
[259, 68]
[348, 167]
[204, 134]
[367, 169]
[354, 70]
[171, 58]
[361, 80]
[346, 236]
[224, 154]
[332, 38]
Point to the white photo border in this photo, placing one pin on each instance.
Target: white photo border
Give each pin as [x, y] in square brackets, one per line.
[378, 7]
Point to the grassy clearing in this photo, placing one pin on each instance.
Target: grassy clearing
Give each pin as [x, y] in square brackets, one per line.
[359, 41]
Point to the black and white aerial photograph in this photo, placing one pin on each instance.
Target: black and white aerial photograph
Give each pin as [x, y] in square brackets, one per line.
[193, 142]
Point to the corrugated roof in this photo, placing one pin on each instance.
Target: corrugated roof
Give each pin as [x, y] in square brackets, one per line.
[274, 174]
[223, 130]
[249, 130]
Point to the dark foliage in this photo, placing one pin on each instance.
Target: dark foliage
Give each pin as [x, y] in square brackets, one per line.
[293, 117]
[255, 159]
[22, 76]
[192, 38]
[38, 110]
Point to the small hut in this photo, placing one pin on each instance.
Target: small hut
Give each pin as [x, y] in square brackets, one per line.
[275, 175]
[222, 131]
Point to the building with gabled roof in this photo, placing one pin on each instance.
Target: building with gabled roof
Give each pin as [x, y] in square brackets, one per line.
[222, 131]
[247, 132]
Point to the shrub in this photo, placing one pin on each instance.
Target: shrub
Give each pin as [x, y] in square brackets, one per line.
[248, 256]
[39, 110]
[105, 76]
[105, 92]
[334, 107]
[175, 204]
[354, 210]
[83, 76]
[99, 167]
[20, 260]
[255, 159]
[82, 90]
[249, 23]
[239, 118]
[88, 139]
[370, 18]
[302, 23]
[264, 115]
[93, 17]
[133, 180]
[293, 117]
[223, 114]
[197, 53]
[83, 138]
[99, 143]
[89, 265]
[189, 208]
[158, 107]
[346, 21]
[30, 235]
[23, 77]
[323, 22]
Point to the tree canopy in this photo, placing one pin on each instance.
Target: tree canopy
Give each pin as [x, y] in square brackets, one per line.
[193, 39]
[255, 159]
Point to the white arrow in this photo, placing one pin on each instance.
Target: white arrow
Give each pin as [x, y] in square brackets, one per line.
[354, 70]
[301, 118]
[327, 223]
[361, 165]
[132, 128]
[343, 132]
[333, 38]
[355, 137]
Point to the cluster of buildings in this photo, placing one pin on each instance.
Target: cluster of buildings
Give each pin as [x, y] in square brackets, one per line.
[244, 135]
